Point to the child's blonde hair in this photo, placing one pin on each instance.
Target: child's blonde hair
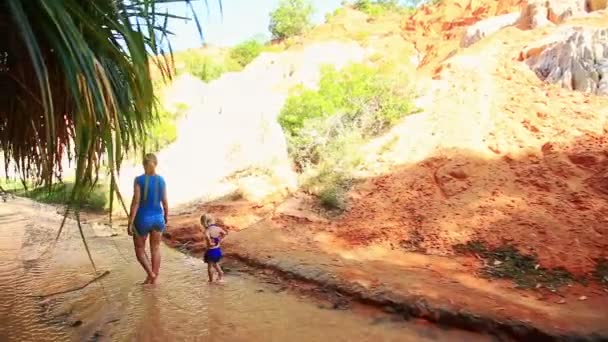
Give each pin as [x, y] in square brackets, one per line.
[207, 220]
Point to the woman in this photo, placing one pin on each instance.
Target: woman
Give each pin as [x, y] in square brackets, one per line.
[147, 217]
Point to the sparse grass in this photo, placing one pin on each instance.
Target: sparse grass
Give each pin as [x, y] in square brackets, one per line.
[377, 8]
[59, 193]
[337, 12]
[506, 262]
[331, 199]
[389, 145]
[234, 196]
[330, 186]
[252, 171]
[376, 57]
[474, 246]
[601, 272]
[273, 48]
[361, 36]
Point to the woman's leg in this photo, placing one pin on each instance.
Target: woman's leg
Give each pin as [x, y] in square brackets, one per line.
[140, 252]
[155, 237]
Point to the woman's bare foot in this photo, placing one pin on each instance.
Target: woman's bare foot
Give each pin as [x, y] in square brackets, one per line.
[151, 279]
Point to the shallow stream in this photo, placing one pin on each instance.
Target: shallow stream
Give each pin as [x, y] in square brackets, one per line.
[182, 307]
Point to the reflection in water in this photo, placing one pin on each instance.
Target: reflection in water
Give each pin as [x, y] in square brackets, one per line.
[182, 307]
[151, 328]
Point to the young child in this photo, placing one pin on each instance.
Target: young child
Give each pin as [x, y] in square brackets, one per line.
[214, 236]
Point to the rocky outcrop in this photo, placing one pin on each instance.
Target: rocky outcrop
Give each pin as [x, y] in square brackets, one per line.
[574, 57]
[538, 13]
[533, 14]
[596, 5]
[483, 28]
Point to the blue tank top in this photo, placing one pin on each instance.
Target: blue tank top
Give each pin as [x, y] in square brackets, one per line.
[152, 189]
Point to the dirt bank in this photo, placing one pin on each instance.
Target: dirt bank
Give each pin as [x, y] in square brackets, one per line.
[544, 204]
[437, 289]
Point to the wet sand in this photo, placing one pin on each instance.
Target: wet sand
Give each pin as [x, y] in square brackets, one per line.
[182, 307]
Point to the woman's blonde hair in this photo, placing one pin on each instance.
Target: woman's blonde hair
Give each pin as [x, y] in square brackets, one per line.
[207, 220]
[150, 158]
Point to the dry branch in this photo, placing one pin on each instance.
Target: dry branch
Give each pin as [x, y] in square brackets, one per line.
[105, 273]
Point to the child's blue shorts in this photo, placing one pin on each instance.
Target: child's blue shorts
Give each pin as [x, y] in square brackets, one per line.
[213, 255]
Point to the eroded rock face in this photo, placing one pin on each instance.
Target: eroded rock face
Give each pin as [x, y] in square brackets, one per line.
[575, 57]
[596, 5]
[487, 27]
[538, 13]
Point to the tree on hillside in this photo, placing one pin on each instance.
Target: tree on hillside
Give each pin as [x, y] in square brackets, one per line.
[75, 78]
[291, 18]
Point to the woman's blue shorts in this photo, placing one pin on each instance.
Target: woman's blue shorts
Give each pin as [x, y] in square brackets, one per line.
[144, 224]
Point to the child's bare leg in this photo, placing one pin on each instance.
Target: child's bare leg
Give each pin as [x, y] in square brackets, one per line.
[210, 271]
[219, 271]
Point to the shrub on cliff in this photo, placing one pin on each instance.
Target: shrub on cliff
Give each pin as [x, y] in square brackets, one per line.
[290, 18]
[207, 68]
[377, 7]
[358, 97]
[163, 130]
[325, 127]
[246, 51]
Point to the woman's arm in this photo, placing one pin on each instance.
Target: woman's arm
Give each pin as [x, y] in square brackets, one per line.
[165, 202]
[134, 207]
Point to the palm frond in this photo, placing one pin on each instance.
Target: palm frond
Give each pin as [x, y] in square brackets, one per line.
[76, 81]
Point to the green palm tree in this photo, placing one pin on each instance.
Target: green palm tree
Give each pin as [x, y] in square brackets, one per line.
[75, 79]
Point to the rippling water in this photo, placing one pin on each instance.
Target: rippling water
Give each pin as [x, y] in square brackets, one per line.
[182, 307]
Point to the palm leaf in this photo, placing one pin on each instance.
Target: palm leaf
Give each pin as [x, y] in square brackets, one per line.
[77, 83]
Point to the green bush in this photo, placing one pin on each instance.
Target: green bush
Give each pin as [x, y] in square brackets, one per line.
[326, 127]
[164, 130]
[332, 199]
[377, 7]
[360, 95]
[337, 12]
[205, 67]
[291, 18]
[246, 52]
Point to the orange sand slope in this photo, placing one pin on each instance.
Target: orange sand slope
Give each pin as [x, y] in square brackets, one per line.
[536, 176]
